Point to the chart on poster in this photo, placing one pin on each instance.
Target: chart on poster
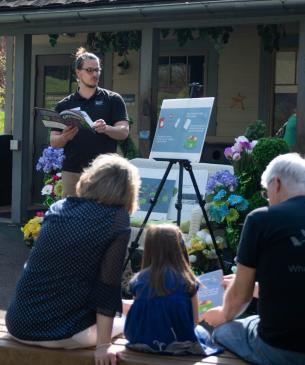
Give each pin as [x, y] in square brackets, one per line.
[182, 128]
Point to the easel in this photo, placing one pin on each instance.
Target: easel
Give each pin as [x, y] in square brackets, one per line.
[183, 164]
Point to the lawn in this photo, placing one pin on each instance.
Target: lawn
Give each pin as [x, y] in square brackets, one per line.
[1, 122]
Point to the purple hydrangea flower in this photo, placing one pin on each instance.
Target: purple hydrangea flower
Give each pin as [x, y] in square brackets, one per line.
[222, 179]
[228, 152]
[51, 160]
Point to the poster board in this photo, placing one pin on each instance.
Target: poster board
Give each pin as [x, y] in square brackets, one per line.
[150, 180]
[182, 128]
[189, 198]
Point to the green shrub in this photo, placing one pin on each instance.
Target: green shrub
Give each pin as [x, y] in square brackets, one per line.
[1, 122]
[266, 150]
[256, 130]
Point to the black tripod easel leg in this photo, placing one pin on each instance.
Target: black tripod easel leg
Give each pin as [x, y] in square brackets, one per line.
[153, 201]
[202, 203]
[178, 204]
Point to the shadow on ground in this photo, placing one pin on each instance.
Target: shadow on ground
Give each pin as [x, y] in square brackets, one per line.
[13, 254]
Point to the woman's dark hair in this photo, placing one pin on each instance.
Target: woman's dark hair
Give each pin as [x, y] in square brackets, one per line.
[164, 249]
[82, 55]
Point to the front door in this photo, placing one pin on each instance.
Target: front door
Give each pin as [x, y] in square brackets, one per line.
[55, 79]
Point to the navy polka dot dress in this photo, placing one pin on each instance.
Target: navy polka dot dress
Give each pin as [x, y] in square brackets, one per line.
[73, 272]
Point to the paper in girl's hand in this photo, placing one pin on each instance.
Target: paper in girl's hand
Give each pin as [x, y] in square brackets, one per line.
[211, 291]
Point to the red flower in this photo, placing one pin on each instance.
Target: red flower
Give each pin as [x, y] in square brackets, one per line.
[40, 214]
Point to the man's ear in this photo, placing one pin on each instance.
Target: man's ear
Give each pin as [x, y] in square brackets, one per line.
[278, 184]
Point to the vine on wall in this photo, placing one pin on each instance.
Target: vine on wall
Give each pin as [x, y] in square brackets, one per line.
[219, 36]
[120, 42]
[271, 35]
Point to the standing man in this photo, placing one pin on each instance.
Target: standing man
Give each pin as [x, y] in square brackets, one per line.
[106, 108]
[271, 251]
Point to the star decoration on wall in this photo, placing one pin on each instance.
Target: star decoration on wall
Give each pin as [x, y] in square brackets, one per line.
[238, 101]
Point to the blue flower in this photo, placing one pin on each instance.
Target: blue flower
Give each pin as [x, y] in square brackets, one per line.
[235, 199]
[243, 205]
[51, 160]
[222, 179]
[221, 194]
[218, 213]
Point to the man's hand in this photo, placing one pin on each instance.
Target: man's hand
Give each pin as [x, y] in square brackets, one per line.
[60, 139]
[69, 133]
[214, 317]
[105, 355]
[100, 126]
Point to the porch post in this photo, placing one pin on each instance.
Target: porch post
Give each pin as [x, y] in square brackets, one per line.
[8, 123]
[21, 128]
[148, 88]
[301, 91]
[265, 88]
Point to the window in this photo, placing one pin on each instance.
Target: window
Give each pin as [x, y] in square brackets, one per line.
[285, 87]
[176, 72]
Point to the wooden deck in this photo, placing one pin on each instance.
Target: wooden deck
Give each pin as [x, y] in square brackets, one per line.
[13, 353]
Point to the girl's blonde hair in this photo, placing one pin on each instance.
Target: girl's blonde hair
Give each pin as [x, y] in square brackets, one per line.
[164, 249]
[111, 180]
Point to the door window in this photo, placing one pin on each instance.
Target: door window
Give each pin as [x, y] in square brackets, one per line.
[59, 81]
[285, 87]
[176, 72]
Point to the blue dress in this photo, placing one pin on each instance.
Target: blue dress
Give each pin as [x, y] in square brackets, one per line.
[165, 324]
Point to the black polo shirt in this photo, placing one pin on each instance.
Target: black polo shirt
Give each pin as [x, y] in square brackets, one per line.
[273, 242]
[86, 145]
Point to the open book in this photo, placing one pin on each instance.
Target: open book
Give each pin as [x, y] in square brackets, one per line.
[76, 117]
[211, 291]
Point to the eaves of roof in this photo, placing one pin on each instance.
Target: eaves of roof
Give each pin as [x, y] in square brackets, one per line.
[28, 11]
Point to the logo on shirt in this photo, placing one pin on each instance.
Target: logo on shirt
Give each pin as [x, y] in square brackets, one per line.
[298, 240]
[99, 102]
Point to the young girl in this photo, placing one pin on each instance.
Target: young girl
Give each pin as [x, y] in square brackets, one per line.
[164, 315]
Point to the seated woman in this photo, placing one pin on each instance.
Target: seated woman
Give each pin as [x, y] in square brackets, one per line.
[70, 289]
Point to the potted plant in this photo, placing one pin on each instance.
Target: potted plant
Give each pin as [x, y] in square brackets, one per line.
[123, 66]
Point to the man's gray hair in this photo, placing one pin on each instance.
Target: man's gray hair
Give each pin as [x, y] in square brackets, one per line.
[290, 169]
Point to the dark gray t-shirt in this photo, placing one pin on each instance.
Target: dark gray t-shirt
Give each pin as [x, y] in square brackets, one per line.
[273, 242]
[86, 145]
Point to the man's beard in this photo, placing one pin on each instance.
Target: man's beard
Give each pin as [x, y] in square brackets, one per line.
[90, 86]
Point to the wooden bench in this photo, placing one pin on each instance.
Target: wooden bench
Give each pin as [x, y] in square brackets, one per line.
[14, 353]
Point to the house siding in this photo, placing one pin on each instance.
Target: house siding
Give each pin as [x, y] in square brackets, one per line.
[238, 74]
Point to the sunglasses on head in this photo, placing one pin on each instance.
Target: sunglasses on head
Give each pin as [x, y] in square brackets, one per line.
[91, 70]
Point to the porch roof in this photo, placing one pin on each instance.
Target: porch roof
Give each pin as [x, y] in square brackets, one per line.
[53, 16]
[149, 9]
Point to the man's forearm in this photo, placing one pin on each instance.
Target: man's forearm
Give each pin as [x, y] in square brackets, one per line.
[117, 132]
[235, 302]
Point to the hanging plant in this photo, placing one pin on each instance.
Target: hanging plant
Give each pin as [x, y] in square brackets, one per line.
[217, 35]
[54, 37]
[120, 42]
[124, 64]
[271, 35]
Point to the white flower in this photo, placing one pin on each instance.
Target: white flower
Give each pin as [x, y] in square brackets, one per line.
[58, 174]
[220, 239]
[202, 235]
[208, 239]
[47, 190]
[192, 259]
[188, 244]
[234, 269]
[241, 139]
[236, 157]
[253, 144]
